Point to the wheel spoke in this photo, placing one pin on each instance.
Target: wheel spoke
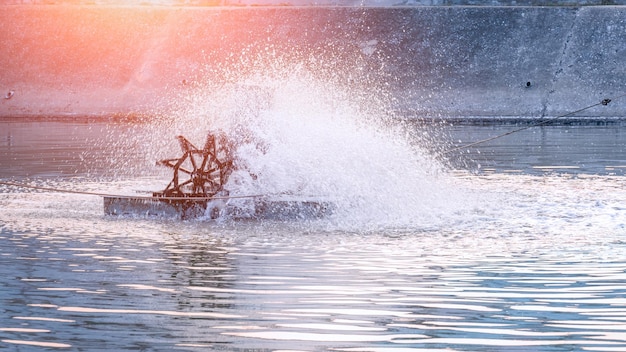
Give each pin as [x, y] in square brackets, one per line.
[192, 159]
[200, 172]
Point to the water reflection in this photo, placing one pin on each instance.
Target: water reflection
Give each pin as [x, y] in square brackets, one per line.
[581, 148]
[70, 148]
[108, 284]
[539, 266]
[44, 148]
[136, 286]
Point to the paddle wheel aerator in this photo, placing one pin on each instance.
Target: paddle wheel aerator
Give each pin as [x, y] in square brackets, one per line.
[197, 189]
[199, 173]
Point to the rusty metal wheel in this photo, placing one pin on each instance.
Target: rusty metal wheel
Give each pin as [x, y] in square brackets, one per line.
[200, 172]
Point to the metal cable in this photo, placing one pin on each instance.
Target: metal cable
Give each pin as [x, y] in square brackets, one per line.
[540, 123]
[58, 190]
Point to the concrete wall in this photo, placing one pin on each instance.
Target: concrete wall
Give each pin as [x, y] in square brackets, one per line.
[385, 3]
[435, 61]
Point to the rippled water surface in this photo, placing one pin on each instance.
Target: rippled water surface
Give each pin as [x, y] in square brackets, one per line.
[531, 257]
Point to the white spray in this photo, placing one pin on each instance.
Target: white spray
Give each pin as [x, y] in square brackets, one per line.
[309, 137]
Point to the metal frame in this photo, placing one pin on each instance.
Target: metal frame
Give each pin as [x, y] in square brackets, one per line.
[200, 172]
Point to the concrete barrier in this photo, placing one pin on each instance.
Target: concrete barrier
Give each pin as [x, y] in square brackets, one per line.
[436, 61]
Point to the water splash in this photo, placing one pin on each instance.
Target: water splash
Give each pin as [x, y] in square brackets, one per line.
[314, 135]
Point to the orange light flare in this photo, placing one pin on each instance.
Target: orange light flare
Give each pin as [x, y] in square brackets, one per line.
[107, 59]
[85, 59]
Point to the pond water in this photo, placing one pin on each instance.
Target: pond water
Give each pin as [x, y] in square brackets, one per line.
[519, 247]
